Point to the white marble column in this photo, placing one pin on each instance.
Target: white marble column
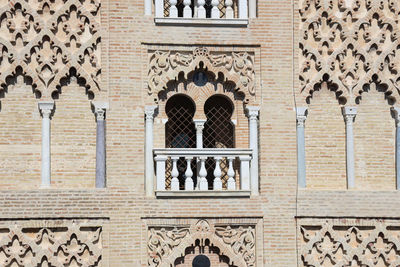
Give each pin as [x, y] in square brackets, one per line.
[301, 115]
[396, 115]
[349, 114]
[100, 111]
[150, 113]
[252, 114]
[46, 109]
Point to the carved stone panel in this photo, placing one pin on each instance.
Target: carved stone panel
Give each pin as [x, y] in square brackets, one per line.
[172, 242]
[350, 46]
[51, 243]
[349, 242]
[236, 68]
[47, 38]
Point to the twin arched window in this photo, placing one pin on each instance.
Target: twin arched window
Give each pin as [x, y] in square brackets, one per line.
[218, 132]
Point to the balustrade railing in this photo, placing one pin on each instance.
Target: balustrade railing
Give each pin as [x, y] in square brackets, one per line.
[202, 169]
[202, 9]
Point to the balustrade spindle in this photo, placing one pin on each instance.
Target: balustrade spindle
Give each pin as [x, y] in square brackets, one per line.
[231, 174]
[215, 10]
[189, 173]
[229, 9]
[202, 174]
[201, 11]
[174, 174]
[173, 11]
[187, 11]
[217, 174]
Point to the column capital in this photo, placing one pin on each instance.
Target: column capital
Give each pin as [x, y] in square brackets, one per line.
[301, 116]
[46, 108]
[349, 114]
[395, 111]
[99, 109]
[150, 112]
[252, 111]
[199, 124]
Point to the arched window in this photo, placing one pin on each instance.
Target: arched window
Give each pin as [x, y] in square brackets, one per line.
[218, 133]
[180, 132]
[218, 130]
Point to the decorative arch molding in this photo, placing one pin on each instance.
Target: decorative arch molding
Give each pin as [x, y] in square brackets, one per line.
[234, 69]
[235, 240]
[47, 40]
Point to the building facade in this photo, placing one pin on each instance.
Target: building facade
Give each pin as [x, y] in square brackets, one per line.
[146, 133]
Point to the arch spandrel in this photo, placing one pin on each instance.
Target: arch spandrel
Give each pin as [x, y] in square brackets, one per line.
[236, 241]
[236, 68]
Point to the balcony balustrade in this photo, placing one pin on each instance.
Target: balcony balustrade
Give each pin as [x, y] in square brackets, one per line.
[224, 170]
[202, 11]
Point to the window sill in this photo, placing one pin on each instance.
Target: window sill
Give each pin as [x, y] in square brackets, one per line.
[202, 194]
[201, 22]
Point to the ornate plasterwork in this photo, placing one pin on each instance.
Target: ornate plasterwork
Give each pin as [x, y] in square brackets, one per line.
[167, 243]
[362, 243]
[67, 244]
[350, 45]
[49, 38]
[166, 65]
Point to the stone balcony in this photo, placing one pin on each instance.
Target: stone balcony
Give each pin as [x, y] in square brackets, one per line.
[203, 172]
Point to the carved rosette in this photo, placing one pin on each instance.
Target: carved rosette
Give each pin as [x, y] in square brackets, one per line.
[69, 244]
[165, 66]
[48, 38]
[237, 242]
[353, 243]
[351, 45]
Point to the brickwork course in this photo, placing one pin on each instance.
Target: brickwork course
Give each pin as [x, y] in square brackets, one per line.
[323, 55]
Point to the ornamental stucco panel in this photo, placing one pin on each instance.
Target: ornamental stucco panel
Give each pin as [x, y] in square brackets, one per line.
[349, 242]
[235, 69]
[170, 242]
[51, 243]
[46, 39]
[350, 46]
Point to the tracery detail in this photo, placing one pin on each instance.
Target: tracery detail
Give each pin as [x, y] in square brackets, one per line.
[350, 243]
[48, 38]
[350, 42]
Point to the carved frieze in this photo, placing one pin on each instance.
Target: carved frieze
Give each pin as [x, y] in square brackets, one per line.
[236, 66]
[349, 243]
[350, 45]
[236, 241]
[48, 38]
[60, 244]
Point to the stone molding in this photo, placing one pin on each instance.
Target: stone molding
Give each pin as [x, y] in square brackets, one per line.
[349, 242]
[46, 41]
[236, 238]
[51, 243]
[351, 47]
[237, 67]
